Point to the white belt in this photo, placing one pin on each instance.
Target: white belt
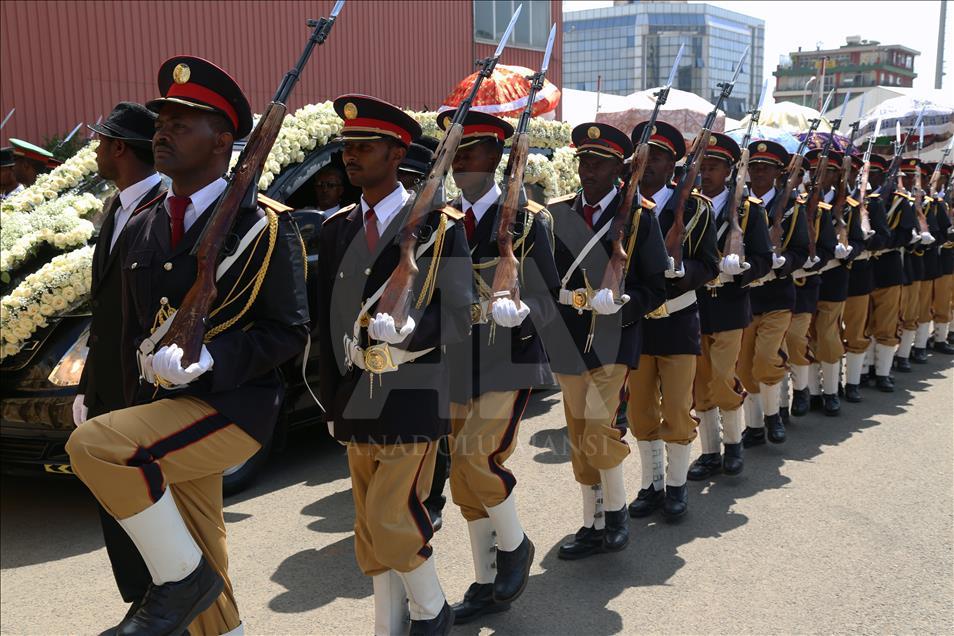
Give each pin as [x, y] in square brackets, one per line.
[865, 255]
[379, 358]
[579, 299]
[885, 251]
[675, 304]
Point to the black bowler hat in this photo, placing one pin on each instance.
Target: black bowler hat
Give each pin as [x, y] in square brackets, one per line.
[197, 83]
[663, 135]
[877, 163]
[602, 140]
[723, 147]
[813, 156]
[370, 118]
[419, 155]
[478, 126]
[770, 152]
[6, 157]
[130, 122]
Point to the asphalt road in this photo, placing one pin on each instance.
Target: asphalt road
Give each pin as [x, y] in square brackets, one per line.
[848, 527]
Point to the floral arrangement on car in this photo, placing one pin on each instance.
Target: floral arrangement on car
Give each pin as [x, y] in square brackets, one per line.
[56, 288]
[48, 186]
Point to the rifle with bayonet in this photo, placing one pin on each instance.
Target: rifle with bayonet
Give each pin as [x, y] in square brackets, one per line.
[862, 187]
[935, 182]
[506, 279]
[395, 299]
[815, 189]
[892, 177]
[614, 276]
[841, 198]
[189, 322]
[918, 191]
[677, 232]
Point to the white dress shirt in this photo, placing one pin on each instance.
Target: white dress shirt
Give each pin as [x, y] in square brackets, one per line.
[718, 201]
[331, 210]
[387, 208]
[661, 198]
[829, 195]
[200, 201]
[602, 205]
[481, 205]
[129, 200]
[767, 197]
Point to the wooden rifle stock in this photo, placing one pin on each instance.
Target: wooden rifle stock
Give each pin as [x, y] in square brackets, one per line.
[506, 282]
[919, 202]
[791, 183]
[677, 231]
[838, 210]
[811, 209]
[733, 241]
[614, 275]
[864, 219]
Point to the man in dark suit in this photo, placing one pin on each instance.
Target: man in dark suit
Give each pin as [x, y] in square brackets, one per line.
[124, 156]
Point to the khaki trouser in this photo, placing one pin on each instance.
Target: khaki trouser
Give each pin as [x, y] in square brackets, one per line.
[884, 315]
[856, 321]
[826, 332]
[660, 399]
[762, 358]
[909, 306]
[591, 403]
[796, 340]
[128, 457]
[483, 436]
[941, 304]
[389, 482]
[716, 384]
[925, 298]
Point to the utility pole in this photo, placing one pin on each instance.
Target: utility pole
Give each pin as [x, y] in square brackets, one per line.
[939, 66]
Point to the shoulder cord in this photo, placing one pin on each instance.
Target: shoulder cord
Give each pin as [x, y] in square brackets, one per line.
[791, 227]
[430, 283]
[632, 239]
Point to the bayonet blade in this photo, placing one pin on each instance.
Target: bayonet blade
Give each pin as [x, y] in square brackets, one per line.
[763, 95]
[844, 107]
[7, 118]
[897, 133]
[827, 102]
[337, 8]
[72, 132]
[861, 107]
[878, 129]
[738, 69]
[506, 35]
[546, 55]
[675, 66]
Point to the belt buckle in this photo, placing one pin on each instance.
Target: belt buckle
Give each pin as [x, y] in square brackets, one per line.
[377, 359]
[477, 316]
[581, 300]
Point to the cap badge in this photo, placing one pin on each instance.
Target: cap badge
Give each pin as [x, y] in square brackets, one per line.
[593, 132]
[713, 141]
[761, 147]
[181, 73]
[350, 111]
[653, 131]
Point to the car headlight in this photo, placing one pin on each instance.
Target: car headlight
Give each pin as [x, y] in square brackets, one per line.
[69, 369]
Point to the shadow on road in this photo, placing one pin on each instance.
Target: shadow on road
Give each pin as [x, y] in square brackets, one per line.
[314, 578]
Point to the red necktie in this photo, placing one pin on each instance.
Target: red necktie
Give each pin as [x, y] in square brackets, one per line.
[371, 229]
[588, 212]
[177, 210]
[470, 224]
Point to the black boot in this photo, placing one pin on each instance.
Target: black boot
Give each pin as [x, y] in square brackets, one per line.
[866, 377]
[616, 535]
[513, 570]
[800, 402]
[706, 466]
[950, 337]
[647, 501]
[133, 608]
[944, 347]
[677, 501]
[170, 607]
[774, 429]
[752, 437]
[732, 461]
[816, 403]
[919, 355]
[783, 413]
[440, 625]
[832, 405]
[853, 392]
[884, 383]
[585, 542]
[478, 601]
[902, 364]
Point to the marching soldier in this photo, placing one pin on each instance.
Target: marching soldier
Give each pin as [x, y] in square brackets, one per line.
[157, 466]
[385, 385]
[916, 289]
[597, 339]
[9, 185]
[495, 369]
[944, 283]
[660, 388]
[123, 156]
[725, 311]
[936, 228]
[762, 360]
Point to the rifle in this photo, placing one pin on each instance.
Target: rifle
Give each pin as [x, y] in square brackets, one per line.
[814, 189]
[862, 187]
[677, 231]
[793, 176]
[934, 183]
[891, 175]
[506, 280]
[615, 275]
[838, 210]
[188, 325]
[918, 192]
[395, 299]
[739, 189]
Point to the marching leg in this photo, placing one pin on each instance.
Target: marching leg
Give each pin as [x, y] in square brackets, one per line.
[769, 404]
[800, 394]
[814, 387]
[514, 552]
[479, 597]
[902, 357]
[831, 374]
[710, 437]
[854, 367]
[676, 503]
[919, 352]
[732, 437]
[754, 434]
[430, 613]
[616, 533]
[589, 538]
[390, 604]
[651, 493]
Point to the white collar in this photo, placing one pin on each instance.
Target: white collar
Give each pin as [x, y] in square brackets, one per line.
[388, 207]
[605, 201]
[131, 195]
[331, 210]
[719, 200]
[767, 197]
[829, 195]
[203, 198]
[481, 205]
[661, 198]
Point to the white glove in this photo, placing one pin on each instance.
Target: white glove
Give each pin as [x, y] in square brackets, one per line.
[604, 304]
[915, 237]
[167, 364]
[732, 265]
[79, 409]
[869, 234]
[672, 272]
[382, 328]
[777, 261]
[842, 251]
[811, 261]
[506, 313]
[926, 238]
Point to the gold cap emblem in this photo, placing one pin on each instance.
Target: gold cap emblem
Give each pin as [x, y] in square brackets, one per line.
[761, 147]
[713, 141]
[593, 132]
[350, 111]
[181, 73]
[653, 131]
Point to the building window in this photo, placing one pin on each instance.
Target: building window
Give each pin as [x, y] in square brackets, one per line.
[491, 18]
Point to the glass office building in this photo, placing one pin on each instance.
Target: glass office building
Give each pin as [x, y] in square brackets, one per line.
[630, 47]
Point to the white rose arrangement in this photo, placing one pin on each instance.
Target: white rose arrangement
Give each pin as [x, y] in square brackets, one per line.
[556, 176]
[59, 286]
[48, 186]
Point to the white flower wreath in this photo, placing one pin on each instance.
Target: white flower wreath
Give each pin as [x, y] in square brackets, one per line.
[48, 186]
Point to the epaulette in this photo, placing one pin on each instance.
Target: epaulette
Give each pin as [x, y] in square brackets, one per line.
[851, 201]
[452, 212]
[143, 206]
[646, 204]
[873, 195]
[755, 200]
[567, 198]
[272, 204]
[801, 199]
[698, 194]
[533, 207]
[824, 206]
[341, 212]
[903, 195]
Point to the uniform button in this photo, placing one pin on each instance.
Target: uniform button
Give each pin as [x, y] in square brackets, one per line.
[340, 274]
[163, 301]
[167, 267]
[134, 266]
[367, 272]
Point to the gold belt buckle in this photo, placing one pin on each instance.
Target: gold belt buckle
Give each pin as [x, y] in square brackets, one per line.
[581, 299]
[377, 359]
[477, 314]
[659, 312]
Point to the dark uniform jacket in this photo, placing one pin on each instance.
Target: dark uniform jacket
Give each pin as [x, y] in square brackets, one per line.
[938, 229]
[778, 294]
[679, 333]
[861, 276]
[514, 359]
[834, 286]
[102, 380]
[807, 288]
[617, 337]
[727, 307]
[412, 403]
[244, 385]
[889, 268]
[946, 238]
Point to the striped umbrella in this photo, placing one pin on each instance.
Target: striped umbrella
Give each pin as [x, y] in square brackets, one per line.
[504, 93]
[766, 133]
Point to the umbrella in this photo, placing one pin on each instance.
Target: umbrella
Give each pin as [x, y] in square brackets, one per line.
[766, 133]
[818, 140]
[504, 93]
[685, 111]
[788, 116]
[938, 117]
